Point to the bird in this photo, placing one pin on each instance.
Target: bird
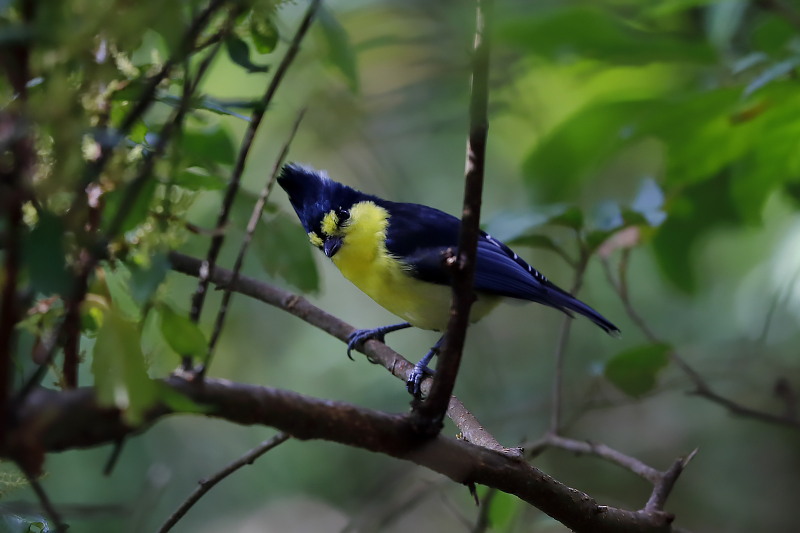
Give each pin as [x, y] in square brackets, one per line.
[395, 253]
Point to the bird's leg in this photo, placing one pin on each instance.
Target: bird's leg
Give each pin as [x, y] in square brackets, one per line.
[421, 368]
[360, 336]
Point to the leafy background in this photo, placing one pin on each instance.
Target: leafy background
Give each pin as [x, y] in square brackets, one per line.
[673, 120]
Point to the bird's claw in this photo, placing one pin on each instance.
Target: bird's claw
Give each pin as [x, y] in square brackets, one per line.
[415, 379]
[360, 336]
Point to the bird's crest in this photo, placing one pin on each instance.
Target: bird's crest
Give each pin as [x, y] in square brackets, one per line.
[315, 197]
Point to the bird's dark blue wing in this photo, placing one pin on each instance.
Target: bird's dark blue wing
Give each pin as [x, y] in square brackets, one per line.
[419, 235]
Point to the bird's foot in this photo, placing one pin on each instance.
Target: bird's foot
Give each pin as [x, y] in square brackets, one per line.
[415, 378]
[360, 336]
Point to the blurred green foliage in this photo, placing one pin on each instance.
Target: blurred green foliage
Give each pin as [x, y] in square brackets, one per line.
[666, 127]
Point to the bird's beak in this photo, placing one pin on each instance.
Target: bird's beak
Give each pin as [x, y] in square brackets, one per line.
[332, 246]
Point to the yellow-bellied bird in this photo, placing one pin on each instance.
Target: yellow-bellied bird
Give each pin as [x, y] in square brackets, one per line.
[394, 252]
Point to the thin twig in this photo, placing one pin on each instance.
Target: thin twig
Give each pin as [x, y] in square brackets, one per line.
[483, 523]
[593, 448]
[251, 228]
[665, 483]
[44, 500]
[432, 411]
[198, 298]
[701, 386]
[470, 428]
[206, 485]
[561, 346]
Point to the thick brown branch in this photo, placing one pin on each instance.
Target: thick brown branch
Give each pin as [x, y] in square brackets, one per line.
[206, 485]
[198, 298]
[463, 264]
[59, 421]
[251, 228]
[376, 351]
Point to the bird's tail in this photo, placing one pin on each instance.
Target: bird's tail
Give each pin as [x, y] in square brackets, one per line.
[566, 302]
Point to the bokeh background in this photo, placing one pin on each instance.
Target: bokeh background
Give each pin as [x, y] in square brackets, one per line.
[685, 111]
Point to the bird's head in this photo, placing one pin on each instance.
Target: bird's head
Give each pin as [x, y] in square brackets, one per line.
[322, 205]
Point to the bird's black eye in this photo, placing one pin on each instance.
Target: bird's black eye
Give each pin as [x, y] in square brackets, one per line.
[343, 214]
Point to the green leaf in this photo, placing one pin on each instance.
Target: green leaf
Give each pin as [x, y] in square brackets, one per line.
[597, 34]
[340, 53]
[210, 145]
[199, 179]
[145, 279]
[118, 366]
[239, 53]
[770, 74]
[137, 211]
[700, 208]
[634, 371]
[572, 217]
[772, 34]
[283, 249]
[207, 103]
[263, 31]
[44, 256]
[534, 241]
[557, 166]
[182, 335]
[117, 280]
[508, 226]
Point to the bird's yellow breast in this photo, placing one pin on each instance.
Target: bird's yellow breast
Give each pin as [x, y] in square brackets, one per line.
[364, 260]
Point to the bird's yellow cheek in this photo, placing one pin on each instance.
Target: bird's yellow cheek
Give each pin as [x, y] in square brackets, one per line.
[315, 239]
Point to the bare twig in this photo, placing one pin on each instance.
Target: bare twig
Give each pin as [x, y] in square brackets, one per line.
[665, 483]
[72, 419]
[482, 523]
[198, 298]
[44, 500]
[377, 352]
[251, 228]
[593, 448]
[701, 386]
[206, 485]
[433, 409]
[561, 346]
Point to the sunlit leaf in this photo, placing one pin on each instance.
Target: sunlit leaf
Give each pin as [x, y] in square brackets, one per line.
[595, 33]
[634, 371]
[239, 53]
[340, 53]
[182, 335]
[283, 249]
[45, 257]
[118, 366]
